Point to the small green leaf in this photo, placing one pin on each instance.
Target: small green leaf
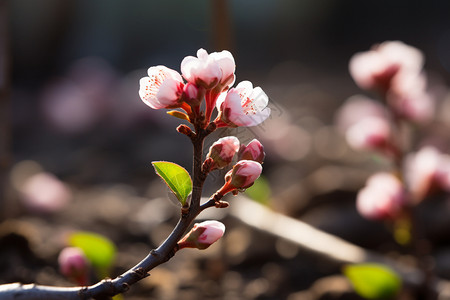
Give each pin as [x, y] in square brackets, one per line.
[176, 178]
[98, 249]
[260, 191]
[373, 281]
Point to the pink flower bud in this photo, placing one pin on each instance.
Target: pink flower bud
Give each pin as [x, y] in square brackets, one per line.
[372, 133]
[242, 176]
[243, 106]
[427, 171]
[383, 197]
[202, 70]
[162, 88]
[376, 68]
[202, 235]
[74, 265]
[253, 151]
[190, 91]
[409, 99]
[223, 151]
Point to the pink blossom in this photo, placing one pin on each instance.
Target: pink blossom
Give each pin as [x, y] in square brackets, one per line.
[222, 152]
[383, 197]
[226, 63]
[373, 133]
[375, 69]
[43, 192]
[426, 171]
[253, 151]
[203, 70]
[162, 88]
[74, 265]
[357, 108]
[243, 106]
[409, 98]
[202, 235]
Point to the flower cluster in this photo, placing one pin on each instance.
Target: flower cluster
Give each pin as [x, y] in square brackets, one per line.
[208, 77]
[204, 86]
[245, 171]
[395, 71]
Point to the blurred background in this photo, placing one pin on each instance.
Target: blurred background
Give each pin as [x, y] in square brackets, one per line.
[70, 112]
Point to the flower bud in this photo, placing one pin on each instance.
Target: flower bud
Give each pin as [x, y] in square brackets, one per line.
[409, 99]
[74, 265]
[253, 151]
[191, 94]
[222, 152]
[382, 198]
[372, 133]
[427, 171]
[202, 235]
[242, 176]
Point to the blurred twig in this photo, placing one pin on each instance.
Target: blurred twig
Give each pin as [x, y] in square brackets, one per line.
[221, 24]
[322, 243]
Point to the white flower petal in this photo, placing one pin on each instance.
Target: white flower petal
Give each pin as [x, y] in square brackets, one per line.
[147, 93]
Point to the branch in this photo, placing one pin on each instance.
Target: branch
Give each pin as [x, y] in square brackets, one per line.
[107, 288]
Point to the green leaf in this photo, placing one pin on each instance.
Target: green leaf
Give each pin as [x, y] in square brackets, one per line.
[260, 191]
[98, 249]
[176, 178]
[373, 281]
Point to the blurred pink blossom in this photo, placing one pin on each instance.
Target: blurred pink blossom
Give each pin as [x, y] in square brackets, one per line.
[426, 171]
[372, 133]
[68, 107]
[43, 192]
[357, 108]
[162, 88]
[202, 235]
[383, 197]
[80, 100]
[74, 265]
[222, 152]
[243, 106]
[409, 98]
[375, 69]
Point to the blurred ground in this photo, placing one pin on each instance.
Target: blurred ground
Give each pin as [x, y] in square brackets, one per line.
[74, 112]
